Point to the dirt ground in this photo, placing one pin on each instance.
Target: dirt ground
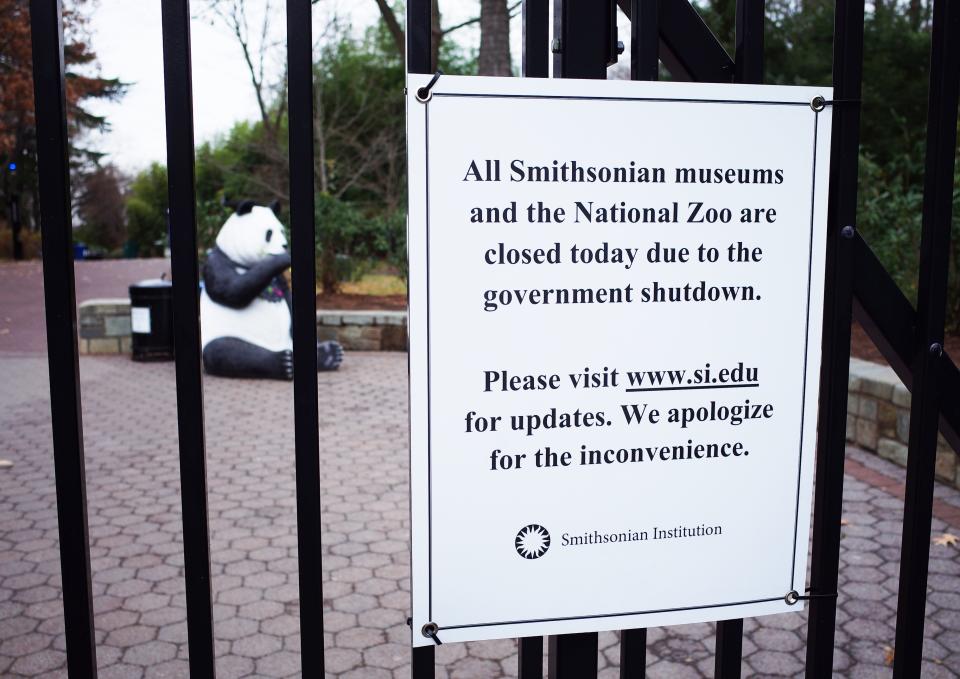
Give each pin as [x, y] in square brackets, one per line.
[351, 302]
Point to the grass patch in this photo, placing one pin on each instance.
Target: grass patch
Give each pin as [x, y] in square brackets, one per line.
[376, 284]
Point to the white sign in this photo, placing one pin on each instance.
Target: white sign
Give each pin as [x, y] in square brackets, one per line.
[616, 295]
[140, 320]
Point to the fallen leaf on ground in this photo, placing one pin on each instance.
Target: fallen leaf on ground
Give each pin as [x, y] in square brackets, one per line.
[946, 540]
[844, 522]
[888, 655]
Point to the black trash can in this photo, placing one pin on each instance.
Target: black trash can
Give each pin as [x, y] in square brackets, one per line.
[151, 320]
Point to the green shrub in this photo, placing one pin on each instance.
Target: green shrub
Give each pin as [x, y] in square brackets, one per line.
[147, 211]
[348, 241]
[890, 218]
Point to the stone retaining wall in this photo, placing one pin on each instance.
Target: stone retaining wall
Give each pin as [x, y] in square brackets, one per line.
[364, 330]
[105, 328]
[878, 418]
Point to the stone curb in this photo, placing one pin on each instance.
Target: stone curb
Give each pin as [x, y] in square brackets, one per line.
[878, 418]
[104, 328]
[364, 330]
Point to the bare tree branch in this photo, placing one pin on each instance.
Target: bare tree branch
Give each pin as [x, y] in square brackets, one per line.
[234, 17]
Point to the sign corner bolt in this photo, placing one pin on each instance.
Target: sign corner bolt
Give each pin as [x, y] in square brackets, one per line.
[424, 94]
[430, 631]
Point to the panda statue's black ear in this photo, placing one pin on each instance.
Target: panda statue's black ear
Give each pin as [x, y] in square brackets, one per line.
[275, 206]
[245, 207]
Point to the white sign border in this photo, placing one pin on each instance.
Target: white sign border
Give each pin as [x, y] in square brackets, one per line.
[419, 361]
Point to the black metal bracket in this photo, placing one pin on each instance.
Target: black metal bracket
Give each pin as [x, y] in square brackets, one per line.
[831, 102]
[819, 103]
[423, 94]
[793, 596]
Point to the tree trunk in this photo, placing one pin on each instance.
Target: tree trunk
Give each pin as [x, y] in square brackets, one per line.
[916, 14]
[393, 26]
[320, 137]
[494, 38]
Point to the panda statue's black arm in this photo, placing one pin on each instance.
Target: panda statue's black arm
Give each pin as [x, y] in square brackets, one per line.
[236, 290]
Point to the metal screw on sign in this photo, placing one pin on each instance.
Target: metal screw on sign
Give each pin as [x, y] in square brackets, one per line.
[430, 630]
[936, 349]
[555, 46]
[847, 231]
[792, 597]
[818, 103]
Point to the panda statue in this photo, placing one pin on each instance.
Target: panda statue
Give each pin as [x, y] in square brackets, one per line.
[245, 321]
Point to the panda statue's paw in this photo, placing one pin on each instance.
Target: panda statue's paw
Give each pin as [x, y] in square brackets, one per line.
[286, 364]
[329, 355]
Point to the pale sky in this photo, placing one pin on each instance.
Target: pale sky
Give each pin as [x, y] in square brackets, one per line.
[127, 40]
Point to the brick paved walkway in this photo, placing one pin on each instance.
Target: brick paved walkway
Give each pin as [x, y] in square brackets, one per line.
[130, 423]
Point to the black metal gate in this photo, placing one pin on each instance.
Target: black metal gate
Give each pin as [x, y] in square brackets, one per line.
[670, 31]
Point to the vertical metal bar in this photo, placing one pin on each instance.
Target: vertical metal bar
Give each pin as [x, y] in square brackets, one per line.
[583, 29]
[419, 54]
[943, 98]
[748, 68]
[418, 36]
[536, 38]
[53, 158]
[644, 65]
[644, 39]
[573, 656]
[536, 48]
[838, 291]
[729, 649]
[531, 658]
[748, 59]
[423, 665]
[633, 653]
[304, 277]
[178, 104]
